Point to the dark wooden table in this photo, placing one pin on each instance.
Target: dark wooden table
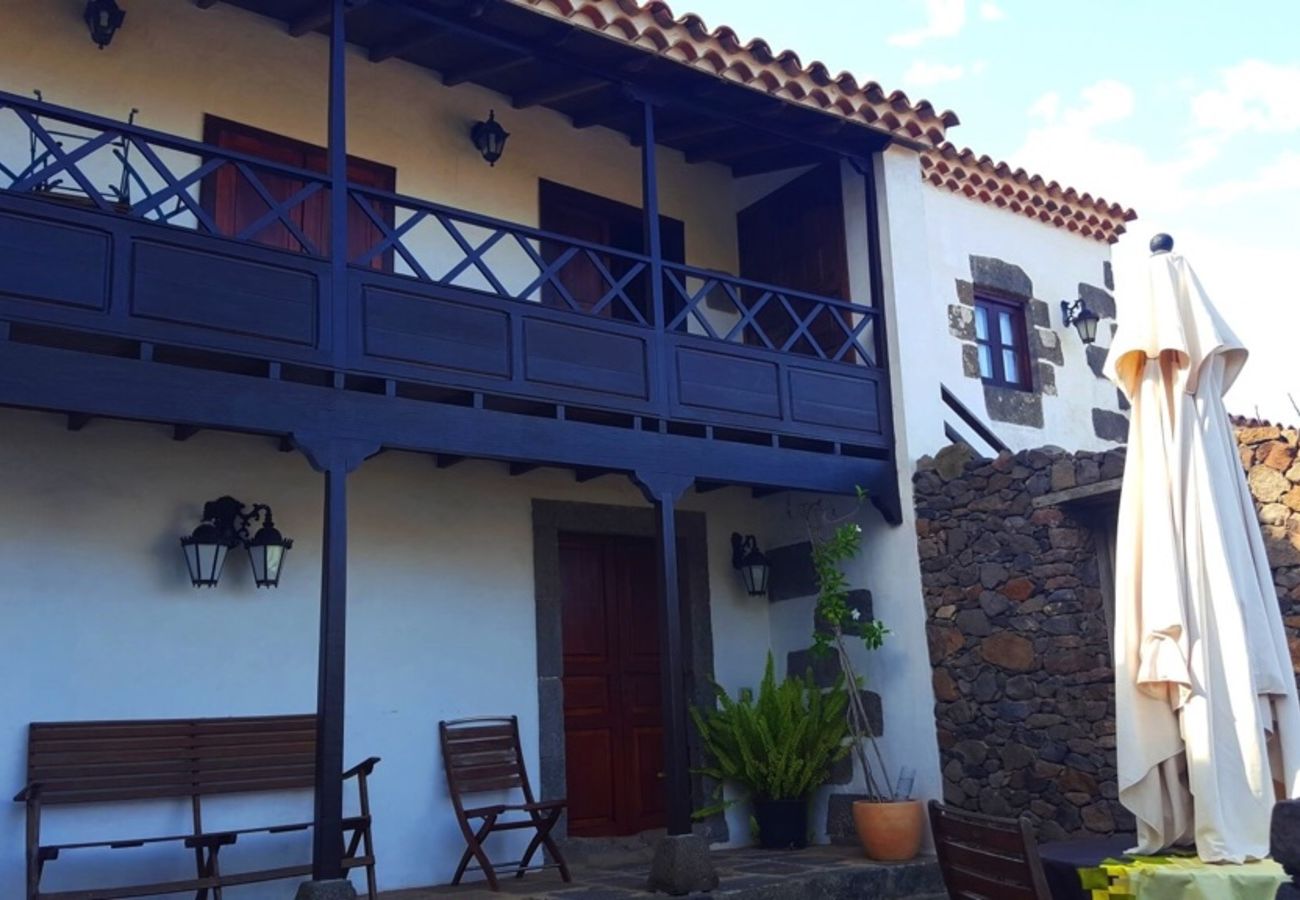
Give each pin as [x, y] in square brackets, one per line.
[1062, 861]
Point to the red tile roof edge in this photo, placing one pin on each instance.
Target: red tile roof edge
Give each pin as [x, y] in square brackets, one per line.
[998, 184]
[719, 51]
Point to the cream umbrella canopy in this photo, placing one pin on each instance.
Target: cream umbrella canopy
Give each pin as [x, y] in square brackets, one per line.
[1207, 721]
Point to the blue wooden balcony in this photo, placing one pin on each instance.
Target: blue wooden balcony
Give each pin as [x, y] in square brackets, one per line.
[111, 243]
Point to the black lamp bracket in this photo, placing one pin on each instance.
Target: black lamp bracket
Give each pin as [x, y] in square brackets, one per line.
[227, 515]
[741, 547]
[1070, 311]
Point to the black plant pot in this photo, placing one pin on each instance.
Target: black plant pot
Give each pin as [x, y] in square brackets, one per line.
[782, 824]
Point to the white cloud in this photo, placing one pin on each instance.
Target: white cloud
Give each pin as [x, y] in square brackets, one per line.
[1046, 107]
[923, 74]
[1104, 102]
[1078, 143]
[943, 19]
[1226, 203]
[1255, 96]
[991, 12]
[1282, 174]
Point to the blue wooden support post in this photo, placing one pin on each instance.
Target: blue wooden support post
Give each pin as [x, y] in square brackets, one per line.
[664, 490]
[654, 244]
[338, 171]
[327, 844]
[887, 502]
[681, 863]
[334, 457]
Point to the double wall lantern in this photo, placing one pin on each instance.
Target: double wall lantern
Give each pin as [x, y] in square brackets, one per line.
[490, 138]
[1082, 318]
[750, 562]
[224, 527]
[103, 18]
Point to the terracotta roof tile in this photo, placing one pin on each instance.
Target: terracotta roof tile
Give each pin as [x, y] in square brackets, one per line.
[688, 40]
[990, 181]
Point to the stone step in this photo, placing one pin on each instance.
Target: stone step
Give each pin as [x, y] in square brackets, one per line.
[818, 873]
[611, 852]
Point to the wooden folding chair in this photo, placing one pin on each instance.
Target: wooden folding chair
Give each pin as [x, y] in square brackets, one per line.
[984, 858]
[483, 755]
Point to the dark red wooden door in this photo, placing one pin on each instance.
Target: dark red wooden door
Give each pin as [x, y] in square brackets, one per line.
[794, 238]
[598, 220]
[236, 204]
[613, 717]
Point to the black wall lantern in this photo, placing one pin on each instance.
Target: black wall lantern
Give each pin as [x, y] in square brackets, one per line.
[224, 526]
[103, 18]
[1082, 318]
[747, 559]
[490, 138]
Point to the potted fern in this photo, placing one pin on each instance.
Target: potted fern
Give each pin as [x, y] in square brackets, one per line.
[890, 824]
[777, 747]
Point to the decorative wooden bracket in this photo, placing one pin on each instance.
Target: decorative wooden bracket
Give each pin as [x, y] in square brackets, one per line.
[660, 487]
[331, 453]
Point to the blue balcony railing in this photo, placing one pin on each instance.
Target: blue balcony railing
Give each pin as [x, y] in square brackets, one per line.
[437, 294]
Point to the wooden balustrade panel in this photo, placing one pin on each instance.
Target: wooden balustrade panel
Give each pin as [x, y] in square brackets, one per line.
[407, 328]
[54, 262]
[223, 293]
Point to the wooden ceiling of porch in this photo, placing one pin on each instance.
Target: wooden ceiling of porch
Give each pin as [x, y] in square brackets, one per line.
[536, 60]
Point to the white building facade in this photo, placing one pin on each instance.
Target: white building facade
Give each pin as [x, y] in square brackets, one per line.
[456, 580]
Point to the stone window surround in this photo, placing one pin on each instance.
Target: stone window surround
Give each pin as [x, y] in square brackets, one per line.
[550, 518]
[1001, 280]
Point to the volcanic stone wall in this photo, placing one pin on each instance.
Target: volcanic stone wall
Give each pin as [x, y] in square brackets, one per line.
[1018, 638]
[1268, 454]
[1017, 627]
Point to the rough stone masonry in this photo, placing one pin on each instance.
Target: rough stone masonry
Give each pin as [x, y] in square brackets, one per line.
[1018, 630]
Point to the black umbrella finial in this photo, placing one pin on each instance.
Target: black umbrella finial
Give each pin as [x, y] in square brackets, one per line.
[1162, 243]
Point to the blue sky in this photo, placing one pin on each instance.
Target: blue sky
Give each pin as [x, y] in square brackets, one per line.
[1187, 111]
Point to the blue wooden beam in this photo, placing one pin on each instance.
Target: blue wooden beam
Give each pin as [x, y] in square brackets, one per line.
[69, 381]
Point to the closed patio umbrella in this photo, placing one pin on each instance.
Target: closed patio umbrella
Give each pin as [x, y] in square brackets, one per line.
[1207, 721]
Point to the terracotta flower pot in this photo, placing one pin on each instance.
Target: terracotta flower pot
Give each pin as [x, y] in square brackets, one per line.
[889, 832]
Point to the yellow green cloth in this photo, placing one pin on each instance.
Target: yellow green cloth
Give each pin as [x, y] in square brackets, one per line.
[1182, 878]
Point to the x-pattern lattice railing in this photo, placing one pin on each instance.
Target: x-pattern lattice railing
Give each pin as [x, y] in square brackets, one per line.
[451, 247]
[125, 169]
[122, 168]
[736, 310]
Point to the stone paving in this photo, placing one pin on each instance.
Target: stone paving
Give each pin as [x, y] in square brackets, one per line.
[827, 873]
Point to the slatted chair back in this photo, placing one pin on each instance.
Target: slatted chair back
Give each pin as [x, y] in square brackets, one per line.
[79, 762]
[482, 755]
[987, 858]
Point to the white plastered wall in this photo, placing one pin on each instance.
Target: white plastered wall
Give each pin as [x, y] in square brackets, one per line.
[1056, 261]
[101, 623]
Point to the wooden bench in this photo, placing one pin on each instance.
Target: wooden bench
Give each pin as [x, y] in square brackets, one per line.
[112, 761]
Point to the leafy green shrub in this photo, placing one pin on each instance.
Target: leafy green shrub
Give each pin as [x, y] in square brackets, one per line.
[780, 746]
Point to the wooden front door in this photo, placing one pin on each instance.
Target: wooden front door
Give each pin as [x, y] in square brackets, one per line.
[794, 238]
[613, 722]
